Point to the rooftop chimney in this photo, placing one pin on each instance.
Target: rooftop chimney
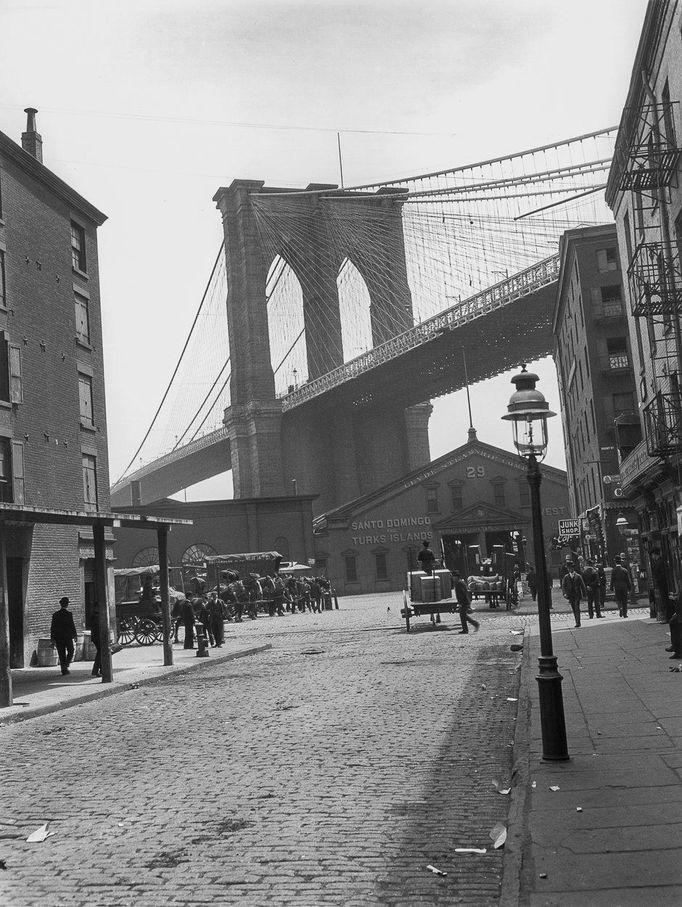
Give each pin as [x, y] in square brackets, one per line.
[32, 141]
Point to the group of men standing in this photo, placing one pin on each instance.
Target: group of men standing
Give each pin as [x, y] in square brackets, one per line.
[590, 584]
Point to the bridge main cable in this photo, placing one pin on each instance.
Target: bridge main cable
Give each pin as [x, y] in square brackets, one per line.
[177, 366]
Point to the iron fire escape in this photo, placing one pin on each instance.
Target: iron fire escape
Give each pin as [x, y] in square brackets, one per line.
[648, 158]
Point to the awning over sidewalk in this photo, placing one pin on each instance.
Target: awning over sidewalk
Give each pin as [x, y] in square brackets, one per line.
[98, 521]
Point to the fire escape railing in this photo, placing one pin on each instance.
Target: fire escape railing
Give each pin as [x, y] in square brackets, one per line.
[646, 154]
[663, 424]
[655, 281]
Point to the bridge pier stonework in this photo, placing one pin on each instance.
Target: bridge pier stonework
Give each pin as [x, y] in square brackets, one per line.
[336, 452]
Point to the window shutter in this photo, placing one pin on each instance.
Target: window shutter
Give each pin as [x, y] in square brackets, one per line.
[602, 263]
[18, 471]
[16, 387]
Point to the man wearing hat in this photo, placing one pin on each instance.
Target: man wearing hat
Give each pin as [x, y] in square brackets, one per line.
[464, 602]
[573, 588]
[63, 634]
[621, 584]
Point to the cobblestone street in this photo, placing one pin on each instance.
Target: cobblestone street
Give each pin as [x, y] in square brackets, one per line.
[331, 769]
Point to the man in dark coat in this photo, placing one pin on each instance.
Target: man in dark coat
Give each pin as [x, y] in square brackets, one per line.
[591, 580]
[464, 602]
[188, 621]
[63, 634]
[426, 558]
[620, 586]
[573, 588]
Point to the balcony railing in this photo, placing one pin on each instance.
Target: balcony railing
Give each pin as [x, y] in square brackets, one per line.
[663, 425]
[655, 281]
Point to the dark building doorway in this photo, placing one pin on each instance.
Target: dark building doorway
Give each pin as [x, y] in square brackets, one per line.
[15, 595]
[457, 554]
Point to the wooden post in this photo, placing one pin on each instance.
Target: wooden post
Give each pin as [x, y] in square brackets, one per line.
[101, 587]
[5, 672]
[162, 536]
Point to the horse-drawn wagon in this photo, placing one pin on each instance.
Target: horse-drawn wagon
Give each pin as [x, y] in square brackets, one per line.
[138, 605]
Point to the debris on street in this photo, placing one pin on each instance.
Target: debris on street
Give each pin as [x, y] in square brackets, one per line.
[438, 872]
[39, 834]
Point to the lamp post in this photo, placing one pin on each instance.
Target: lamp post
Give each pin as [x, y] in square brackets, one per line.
[528, 412]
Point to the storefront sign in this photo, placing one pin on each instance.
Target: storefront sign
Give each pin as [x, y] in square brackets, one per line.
[568, 528]
[398, 522]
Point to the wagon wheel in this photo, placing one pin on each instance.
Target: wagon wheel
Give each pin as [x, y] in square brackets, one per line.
[145, 633]
[126, 631]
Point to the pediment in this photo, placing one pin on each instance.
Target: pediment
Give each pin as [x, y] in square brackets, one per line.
[480, 513]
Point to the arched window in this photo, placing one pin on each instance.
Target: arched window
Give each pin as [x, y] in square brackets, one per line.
[282, 546]
[286, 327]
[146, 557]
[197, 554]
[354, 308]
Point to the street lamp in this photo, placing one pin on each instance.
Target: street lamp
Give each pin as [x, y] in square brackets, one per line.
[528, 412]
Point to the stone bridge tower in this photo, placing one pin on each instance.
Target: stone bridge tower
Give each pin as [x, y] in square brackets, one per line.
[342, 454]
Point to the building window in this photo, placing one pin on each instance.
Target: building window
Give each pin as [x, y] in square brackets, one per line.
[197, 554]
[617, 352]
[321, 565]
[350, 562]
[524, 493]
[607, 260]
[85, 398]
[11, 471]
[381, 565]
[498, 494]
[78, 247]
[432, 499]
[282, 547]
[623, 403]
[456, 497]
[89, 481]
[3, 299]
[146, 557]
[82, 318]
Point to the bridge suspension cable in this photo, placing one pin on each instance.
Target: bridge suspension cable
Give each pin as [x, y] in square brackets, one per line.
[423, 244]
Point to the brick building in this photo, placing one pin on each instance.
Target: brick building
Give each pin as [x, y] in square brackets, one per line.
[283, 524]
[596, 383]
[464, 502]
[53, 441]
[644, 191]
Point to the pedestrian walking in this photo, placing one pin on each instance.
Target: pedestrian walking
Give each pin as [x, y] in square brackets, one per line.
[205, 618]
[188, 623]
[574, 590]
[532, 580]
[426, 558]
[621, 584]
[464, 601]
[591, 580]
[63, 634]
[176, 614]
[601, 577]
[664, 606]
[215, 617]
[95, 638]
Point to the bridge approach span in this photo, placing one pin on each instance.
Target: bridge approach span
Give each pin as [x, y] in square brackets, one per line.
[506, 324]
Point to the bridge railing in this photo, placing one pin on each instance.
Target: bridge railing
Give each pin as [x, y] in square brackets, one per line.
[520, 284]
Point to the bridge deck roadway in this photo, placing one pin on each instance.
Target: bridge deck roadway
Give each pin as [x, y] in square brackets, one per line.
[494, 343]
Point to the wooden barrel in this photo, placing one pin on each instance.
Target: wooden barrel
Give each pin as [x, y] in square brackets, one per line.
[46, 654]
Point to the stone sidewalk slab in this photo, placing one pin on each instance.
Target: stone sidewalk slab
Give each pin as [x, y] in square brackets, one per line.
[611, 834]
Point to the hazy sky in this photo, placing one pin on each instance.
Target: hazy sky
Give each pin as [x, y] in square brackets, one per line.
[146, 107]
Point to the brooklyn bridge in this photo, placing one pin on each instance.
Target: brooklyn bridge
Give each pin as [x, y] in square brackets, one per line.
[332, 316]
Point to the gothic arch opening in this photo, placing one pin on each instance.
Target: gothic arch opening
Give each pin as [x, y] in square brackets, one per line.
[354, 308]
[286, 327]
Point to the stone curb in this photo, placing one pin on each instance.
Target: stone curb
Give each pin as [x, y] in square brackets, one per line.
[126, 685]
[517, 824]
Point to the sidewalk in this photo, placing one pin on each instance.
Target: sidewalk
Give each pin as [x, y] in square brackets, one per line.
[612, 833]
[38, 691]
